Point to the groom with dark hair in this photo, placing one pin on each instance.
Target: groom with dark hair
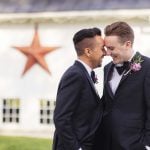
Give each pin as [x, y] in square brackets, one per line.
[79, 109]
[126, 121]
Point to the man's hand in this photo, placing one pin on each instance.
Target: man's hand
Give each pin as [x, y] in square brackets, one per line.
[147, 147]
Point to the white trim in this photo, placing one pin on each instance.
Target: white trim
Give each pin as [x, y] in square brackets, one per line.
[103, 16]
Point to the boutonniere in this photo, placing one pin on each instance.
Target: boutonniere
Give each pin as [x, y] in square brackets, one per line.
[135, 64]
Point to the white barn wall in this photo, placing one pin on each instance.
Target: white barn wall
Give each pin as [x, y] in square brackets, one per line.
[36, 84]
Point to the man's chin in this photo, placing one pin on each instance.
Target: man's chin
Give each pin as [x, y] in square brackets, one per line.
[115, 62]
[99, 65]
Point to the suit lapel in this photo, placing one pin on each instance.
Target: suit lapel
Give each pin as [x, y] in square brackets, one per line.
[109, 72]
[125, 75]
[87, 76]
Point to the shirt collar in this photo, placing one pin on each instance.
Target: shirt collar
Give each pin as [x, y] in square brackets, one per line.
[88, 68]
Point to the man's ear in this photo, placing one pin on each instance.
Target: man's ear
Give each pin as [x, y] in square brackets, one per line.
[87, 52]
[128, 44]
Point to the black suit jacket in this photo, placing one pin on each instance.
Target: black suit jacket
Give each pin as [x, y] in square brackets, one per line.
[126, 121]
[78, 110]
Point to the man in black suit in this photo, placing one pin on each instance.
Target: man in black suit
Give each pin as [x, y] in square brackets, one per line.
[126, 121]
[79, 109]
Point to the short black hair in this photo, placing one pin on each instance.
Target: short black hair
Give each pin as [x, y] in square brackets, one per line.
[84, 34]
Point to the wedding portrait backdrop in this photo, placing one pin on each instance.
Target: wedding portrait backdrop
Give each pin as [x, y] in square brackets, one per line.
[36, 48]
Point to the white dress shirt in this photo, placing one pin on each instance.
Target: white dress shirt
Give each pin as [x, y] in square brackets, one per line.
[114, 82]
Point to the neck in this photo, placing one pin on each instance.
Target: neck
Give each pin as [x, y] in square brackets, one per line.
[130, 55]
[86, 61]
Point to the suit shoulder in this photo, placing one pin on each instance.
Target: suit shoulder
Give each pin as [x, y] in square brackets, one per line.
[72, 71]
[146, 59]
[146, 62]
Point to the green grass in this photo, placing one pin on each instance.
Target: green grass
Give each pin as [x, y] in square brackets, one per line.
[24, 143]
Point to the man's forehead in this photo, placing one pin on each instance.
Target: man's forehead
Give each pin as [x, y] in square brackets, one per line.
[111, 38]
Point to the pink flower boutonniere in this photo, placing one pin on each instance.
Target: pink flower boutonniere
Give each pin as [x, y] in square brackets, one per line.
[135, 64]
[135, 67]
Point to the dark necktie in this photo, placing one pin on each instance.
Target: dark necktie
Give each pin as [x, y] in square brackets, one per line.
[121, 69]
[93, 76]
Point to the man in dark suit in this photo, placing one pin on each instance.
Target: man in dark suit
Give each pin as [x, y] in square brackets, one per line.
[126, 121]
[79, 109]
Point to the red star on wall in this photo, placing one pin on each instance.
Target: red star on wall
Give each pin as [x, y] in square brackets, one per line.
[35, 53]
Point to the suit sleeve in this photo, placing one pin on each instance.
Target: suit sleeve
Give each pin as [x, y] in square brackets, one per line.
[67, 101]
[147, 98]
